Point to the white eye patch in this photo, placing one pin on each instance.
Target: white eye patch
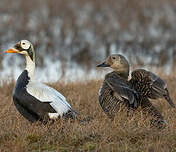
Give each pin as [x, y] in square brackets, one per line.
[25, 44]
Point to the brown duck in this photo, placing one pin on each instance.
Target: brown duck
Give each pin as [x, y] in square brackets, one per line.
[117, 92]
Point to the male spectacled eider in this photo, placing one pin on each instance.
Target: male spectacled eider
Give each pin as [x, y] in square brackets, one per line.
[34, 100]
[117, 90]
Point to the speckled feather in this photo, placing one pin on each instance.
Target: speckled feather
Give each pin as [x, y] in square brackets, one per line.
[115, 94]
[148, 85]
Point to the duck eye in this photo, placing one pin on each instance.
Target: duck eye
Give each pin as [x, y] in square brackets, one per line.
[113, 58]
[25, 44]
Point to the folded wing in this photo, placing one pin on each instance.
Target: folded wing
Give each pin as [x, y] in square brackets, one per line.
[123, 90]
[45, 93]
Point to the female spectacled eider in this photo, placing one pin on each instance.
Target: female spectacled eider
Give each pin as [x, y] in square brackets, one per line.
[34, 100]
[117, 90]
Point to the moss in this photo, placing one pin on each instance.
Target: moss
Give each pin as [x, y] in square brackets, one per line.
[32, 138]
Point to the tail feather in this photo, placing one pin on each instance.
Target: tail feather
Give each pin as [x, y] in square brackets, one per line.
[75, 115]
[169, 100]
[71, 114]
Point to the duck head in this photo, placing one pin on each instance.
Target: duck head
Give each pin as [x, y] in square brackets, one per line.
[23, 47]
[118, 63]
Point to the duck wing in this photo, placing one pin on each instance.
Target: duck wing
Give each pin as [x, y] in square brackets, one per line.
[47, 94]
[150, 85]
[122, 90]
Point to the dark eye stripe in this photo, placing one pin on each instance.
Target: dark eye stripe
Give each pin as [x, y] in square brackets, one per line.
[30, 53]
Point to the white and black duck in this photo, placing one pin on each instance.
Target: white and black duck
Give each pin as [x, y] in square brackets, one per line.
[34, 100]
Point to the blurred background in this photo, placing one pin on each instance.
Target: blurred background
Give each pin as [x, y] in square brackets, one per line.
[71, 37]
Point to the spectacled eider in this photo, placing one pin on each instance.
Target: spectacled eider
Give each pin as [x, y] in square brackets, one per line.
[117, 90]
[34, 100]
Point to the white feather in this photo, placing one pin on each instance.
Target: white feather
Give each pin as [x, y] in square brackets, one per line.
[45, 93]
[99, 91]
[53, 115]
[30, 67]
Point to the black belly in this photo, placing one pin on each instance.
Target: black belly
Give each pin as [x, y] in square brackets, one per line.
[32, 109]
[27, 113]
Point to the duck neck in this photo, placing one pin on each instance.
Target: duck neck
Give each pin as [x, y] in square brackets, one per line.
[123, 75]
[122, 70]
[30, 67]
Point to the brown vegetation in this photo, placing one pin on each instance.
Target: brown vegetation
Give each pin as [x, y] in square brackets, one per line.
[124, 134]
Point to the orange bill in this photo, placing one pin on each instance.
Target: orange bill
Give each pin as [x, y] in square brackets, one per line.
[12, 50]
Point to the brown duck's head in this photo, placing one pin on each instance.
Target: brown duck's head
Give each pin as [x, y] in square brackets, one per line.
[117, 62]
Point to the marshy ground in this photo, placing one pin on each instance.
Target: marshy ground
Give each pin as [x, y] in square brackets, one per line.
[124, 134]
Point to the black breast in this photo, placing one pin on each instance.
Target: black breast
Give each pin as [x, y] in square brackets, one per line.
[30, 107]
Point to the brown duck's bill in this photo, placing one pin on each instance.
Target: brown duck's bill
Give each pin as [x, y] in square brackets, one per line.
[12, 50]
[103, 65]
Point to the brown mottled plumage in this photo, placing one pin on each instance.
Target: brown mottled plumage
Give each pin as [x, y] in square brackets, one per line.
[117, 91]
[116, 95]
[149, 85]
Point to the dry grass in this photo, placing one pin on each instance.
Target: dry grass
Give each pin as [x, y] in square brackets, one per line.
[124, 134]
